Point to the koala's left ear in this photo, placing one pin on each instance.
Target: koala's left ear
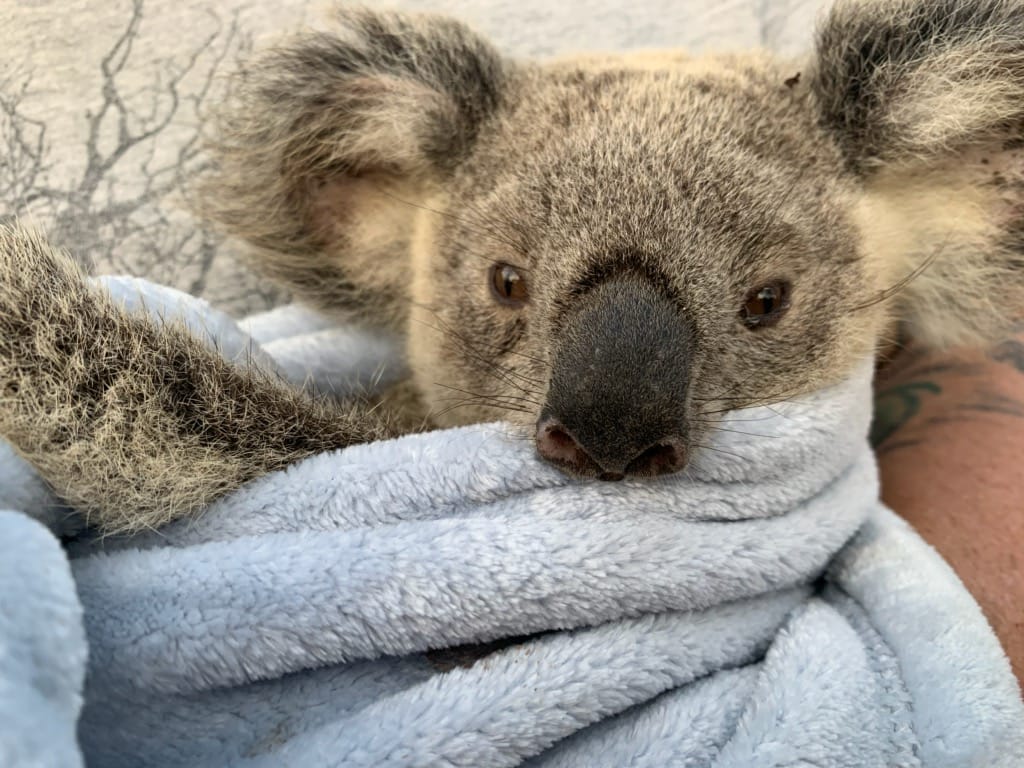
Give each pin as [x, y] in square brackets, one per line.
[925, 99]
[329, 143]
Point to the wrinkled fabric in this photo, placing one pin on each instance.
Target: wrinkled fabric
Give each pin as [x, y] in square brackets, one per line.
[762, 608]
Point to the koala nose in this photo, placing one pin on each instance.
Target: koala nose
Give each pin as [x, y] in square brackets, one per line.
[556, 444]
[619, 380]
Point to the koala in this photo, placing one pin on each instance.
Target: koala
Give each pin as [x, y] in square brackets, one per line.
[609, 250]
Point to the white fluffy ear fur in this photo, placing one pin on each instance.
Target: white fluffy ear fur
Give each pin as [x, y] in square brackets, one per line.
[330, 142]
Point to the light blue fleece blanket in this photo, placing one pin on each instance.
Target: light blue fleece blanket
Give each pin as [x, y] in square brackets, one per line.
[763, 609]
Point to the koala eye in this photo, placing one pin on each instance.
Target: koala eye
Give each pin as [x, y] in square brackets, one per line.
[508, 285]
[765, 305]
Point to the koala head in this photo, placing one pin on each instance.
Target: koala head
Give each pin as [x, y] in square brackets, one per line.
[615, 250]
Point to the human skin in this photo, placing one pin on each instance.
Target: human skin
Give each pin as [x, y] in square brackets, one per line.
[949, 435]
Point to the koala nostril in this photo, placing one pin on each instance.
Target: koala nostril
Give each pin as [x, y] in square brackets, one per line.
[555, 444]
[559, 446]
[659, 459]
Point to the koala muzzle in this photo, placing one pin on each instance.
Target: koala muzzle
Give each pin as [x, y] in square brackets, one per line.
[617, 399]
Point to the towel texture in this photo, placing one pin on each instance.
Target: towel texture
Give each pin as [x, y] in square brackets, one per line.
[42, 646]
[763, 609]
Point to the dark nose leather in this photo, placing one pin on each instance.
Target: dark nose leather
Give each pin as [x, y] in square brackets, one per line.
[616, 401]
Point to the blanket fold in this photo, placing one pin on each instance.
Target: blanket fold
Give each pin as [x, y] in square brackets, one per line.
[761, 609]
[42, 648]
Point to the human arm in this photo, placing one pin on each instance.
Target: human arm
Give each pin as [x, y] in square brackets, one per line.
[949, 433]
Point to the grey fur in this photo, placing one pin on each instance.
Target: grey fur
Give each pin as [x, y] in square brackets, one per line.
[381, 170]
[870, 65]
[134, 423]
[388, 95]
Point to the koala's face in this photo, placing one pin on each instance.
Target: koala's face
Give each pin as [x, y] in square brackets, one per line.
[621, 260]
[615, 251]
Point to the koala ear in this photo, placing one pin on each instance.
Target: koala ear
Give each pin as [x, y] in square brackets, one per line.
[328, 146]
[925, 99]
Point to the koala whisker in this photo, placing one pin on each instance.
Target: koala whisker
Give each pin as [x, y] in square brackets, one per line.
[523, 355]
[446, 328]
[897, 287]
[731, 408]
[499, 372]
[724, 394]
[498, 367]
[739, 398]
[489, 397]
[473, 401]
[736, 402]
[741, 432]
[484, 398]
[719, 450]
[765, 402]
[741, 402]
[732, 421]
[491, 367]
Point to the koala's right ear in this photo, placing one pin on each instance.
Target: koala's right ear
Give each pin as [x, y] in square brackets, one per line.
[329, 143]
[925, 99]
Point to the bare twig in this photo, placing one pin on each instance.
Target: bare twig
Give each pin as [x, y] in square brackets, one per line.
[123, 211]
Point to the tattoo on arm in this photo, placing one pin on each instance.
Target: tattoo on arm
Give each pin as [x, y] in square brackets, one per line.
[1010, 352]
[896, 405]
[899, 404]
